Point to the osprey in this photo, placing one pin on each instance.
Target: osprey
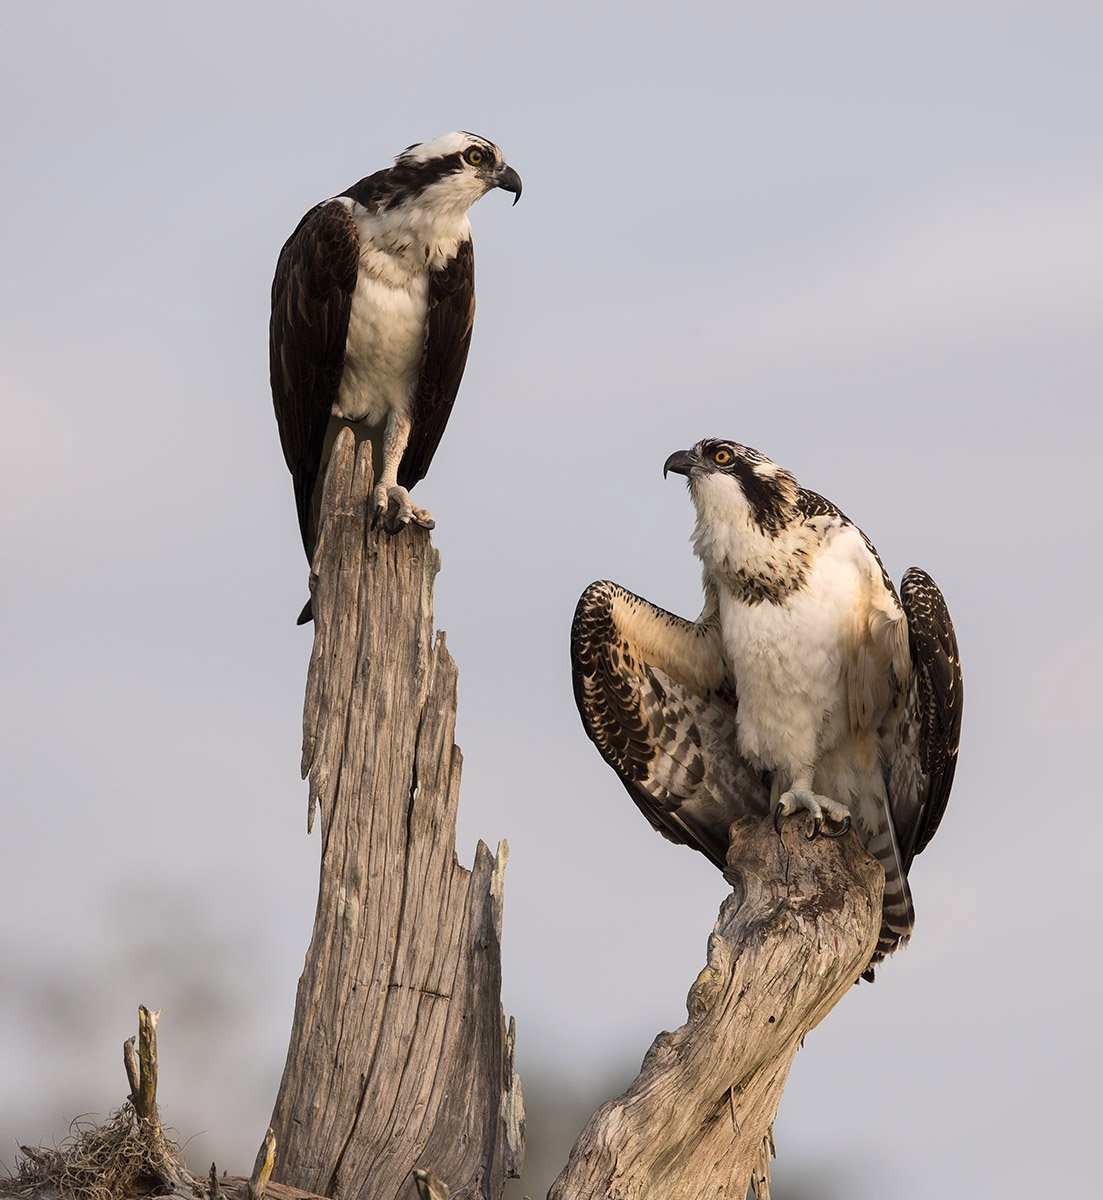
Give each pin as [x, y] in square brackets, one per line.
[372, 306]
[807, 683]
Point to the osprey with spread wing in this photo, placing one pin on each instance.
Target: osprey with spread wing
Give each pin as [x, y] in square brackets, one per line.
[372, 307]
[807, 683]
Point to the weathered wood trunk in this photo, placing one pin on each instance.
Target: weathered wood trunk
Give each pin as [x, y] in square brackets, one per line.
[399, 1055]
[789, 943]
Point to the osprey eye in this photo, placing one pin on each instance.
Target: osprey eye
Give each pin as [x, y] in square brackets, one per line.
[721, 457]
[474, 156]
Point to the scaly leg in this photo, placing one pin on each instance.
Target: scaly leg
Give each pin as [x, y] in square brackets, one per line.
[392, 503]
[824, 811]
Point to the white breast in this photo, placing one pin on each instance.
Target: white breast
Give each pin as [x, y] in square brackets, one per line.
[386, 334]
[790, 660]
[386, 339]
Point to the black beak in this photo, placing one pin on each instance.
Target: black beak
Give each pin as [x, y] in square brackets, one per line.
[509, 181]
[681, 462]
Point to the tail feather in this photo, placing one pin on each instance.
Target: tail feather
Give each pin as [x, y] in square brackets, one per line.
[897, 913]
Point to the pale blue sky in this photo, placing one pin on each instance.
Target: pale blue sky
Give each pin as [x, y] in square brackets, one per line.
[865, 238]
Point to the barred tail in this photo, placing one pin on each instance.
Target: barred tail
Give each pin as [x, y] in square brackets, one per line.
[898, 915]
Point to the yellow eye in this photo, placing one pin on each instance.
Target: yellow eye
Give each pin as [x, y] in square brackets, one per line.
[474, 156]
[721, 457]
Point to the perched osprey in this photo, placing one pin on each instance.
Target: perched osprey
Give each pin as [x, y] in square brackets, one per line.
[372, 306]
[806, 683]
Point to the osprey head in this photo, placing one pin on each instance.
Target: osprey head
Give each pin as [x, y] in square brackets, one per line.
[455, 170]
[730, 482]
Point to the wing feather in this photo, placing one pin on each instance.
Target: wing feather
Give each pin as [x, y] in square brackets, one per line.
[650, 688]
[936, 704]
[448, 324]
[311, 301]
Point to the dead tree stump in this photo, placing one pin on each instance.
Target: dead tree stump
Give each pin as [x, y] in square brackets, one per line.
[399, 1057]
[789, 943]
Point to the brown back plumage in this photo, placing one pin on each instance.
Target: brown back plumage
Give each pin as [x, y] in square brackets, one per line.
[311, 301]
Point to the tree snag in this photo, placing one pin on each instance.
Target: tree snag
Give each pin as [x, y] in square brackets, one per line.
[400, 1057]
[789, 943]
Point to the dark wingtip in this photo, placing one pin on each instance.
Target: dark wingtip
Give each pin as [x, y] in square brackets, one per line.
[307, 615]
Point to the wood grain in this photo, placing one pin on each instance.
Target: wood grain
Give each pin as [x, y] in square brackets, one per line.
[789, 943]
[400, 1057]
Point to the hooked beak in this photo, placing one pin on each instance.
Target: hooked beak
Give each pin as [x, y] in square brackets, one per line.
[681, 462]
[508, 180]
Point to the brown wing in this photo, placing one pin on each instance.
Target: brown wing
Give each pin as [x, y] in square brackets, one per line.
[930, 749]
[450, 316]
[651, 693]
[311, 301]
